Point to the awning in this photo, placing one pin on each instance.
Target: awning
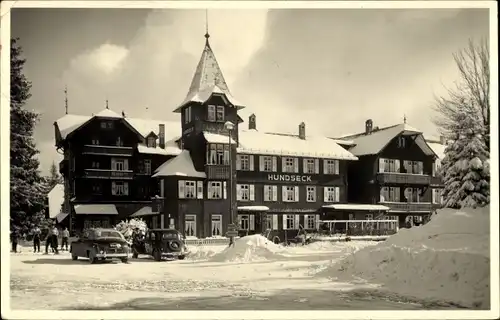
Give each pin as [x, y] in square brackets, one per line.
[292, 210]
[253, 208]
[361, 207]
[217, 138]
[144, 211]
[96, 209]
[61, 216]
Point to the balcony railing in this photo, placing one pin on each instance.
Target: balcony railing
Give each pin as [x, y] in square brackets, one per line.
[108, 174]
[408, 206]
[108, 150]
[403, 178]
[217, 172]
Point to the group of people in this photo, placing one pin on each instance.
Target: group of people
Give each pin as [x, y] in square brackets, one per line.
[51, 239]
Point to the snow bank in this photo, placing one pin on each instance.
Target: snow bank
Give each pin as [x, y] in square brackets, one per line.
[447, 259]
[250, 248]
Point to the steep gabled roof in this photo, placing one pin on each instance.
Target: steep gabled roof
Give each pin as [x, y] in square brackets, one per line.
[207, 80]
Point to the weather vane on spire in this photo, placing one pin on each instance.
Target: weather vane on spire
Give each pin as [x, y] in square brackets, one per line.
[404, 118]
[107, 106]
[66, 99]
[207, 35]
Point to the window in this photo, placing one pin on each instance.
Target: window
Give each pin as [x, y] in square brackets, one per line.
[244, 222]
[244, 162]
[269, 221]
[436, 168]
[311, 193]
[95, 141]
[214, 190]
[103, 125]
[119, 188]
[290, 222]
[218, 154]
[119, 164]
[244, 192]
[187, 189]
[110, 125]
[331, 167]
[119, 142]
[309, 166]
[220, 113]
[190, 225]
[369, 216]
[96, 189]
[147, 166]
[211, 113]
[401, 142]
[267, 163]
[331, 194]
[389, 165]
[151, 143]
[95, 165]
[216, 225]
[187, 115]
[413, 167]
[310, 221]
[270, 193]
[413, 194]
[289, 193]
[390, 194]
[288, 164]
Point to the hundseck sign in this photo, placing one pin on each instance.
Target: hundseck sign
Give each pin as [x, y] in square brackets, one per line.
[288, 177]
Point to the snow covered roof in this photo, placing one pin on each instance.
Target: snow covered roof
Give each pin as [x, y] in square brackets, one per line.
[70, 122]
[171, 148]
[377, 140]
[361, 207]
[208, 79]
[56, 199]
[96, 209]
[438, 149]
[253, 208]
[255, 142]
[181, 165]
[217, 138]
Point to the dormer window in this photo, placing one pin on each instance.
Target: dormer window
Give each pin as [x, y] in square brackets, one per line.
[95, 141]
[401, 142]
[119, 142]
[220, 113]
[187, 115]
[211, 113]
[151, 142]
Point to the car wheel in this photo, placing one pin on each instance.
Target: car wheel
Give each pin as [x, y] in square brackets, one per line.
[74, 256]
[157, 255]
[181, 257]
[124, 260]
[92, 257]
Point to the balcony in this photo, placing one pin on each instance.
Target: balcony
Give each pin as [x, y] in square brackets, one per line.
[217, 172]
[403, 178]
[108, 150]
[108, 174]
[437, 181]
[408, 206]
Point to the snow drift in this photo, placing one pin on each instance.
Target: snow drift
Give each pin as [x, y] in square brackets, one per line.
[250, 248]
[447, 259]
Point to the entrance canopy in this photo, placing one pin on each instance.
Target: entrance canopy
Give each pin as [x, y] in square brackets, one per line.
[144, 211]
[253, 208]
[61, 216]
[105, 209]
[360, 207]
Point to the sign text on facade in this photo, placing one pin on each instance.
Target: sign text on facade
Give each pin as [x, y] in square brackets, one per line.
[288, 177]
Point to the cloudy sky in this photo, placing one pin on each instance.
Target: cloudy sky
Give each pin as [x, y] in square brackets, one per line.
[331, 68]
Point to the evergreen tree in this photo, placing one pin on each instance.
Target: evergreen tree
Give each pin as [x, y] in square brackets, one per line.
[54, 177]
[27, 191]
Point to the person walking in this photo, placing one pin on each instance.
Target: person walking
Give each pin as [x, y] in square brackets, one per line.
[65, 238]
[14, 238]
[36, 239]
[48, 241]
[55, 242]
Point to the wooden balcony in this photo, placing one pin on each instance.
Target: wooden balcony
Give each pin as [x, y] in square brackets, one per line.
[403, 178]
[217, 172]
[108, 174]
[408, 206]
[437, 181]
[108, 150]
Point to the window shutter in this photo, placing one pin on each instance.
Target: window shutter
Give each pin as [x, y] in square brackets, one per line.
[306, 226]
[382, 198]
[113, 164]
[337, 194]
[251, 162]
[275, 193]
[325, 166]
[224, 189]
[261, 163]
[296, 164]
[113, 188]
[397, 192]
[238, 162]
[252, 192]
[380, 165]
[162, 187]
[238, 192]
[325, 194]
[337, 166]
[125, 188]
[434, 169]
[283, 194]
[397, 165]
[275, 164]
[283, 167]
[266, 193]
[252, 222]
[433, 195]
[125, 165]
[296, 190]
[284, 222]
[199, 187]
[420, 167]
[181, 189]
[297, 221]
[316, 166]
[316, 221]
[304, 166]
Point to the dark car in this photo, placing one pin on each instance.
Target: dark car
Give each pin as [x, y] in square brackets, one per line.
[100, 244]
[161, 243]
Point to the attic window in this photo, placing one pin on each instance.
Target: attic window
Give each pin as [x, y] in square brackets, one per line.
[220, 113]
[151, 142]
[401, 142]
[211, 113]
[119, 142]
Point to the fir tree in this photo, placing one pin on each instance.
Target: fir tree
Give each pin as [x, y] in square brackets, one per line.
[27, 191]
[54, 177]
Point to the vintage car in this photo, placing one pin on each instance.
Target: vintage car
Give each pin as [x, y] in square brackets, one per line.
[100, 244]
[161, 243]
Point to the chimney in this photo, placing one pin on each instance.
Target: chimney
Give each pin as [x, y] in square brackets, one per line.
[368, 126]
[162, 136]
[252, 122]
[442, 140]
[302, 131]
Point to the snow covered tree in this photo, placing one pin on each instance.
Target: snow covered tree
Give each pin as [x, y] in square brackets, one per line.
[27, 189]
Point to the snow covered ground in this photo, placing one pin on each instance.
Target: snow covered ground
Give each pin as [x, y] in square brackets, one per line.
[254, 274]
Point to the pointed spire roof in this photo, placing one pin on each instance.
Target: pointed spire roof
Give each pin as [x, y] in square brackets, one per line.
[207, 79]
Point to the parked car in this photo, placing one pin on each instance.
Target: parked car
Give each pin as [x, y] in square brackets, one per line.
[161, 243]
[100, 244]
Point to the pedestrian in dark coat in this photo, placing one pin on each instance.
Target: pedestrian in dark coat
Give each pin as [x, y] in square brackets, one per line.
[14, 238]
[36, 239]
[55, 242]
[48, 241]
